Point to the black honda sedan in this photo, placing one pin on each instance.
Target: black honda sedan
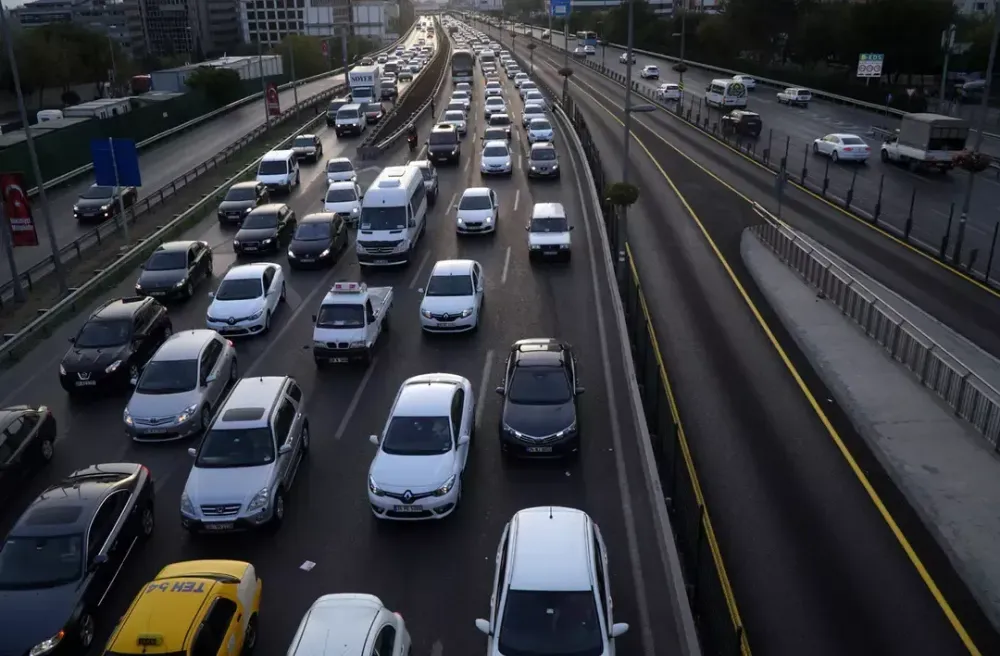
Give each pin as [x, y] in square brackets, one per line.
[64, 554]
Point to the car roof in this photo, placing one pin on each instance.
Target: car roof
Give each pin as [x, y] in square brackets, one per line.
[476, 191]
[539, 352]
[278, 154]
[538, 121]
[340, 184]
[121, 308]
[250, 393]
[346, 618]
[452, 267]
[443, 127]
[421, 163]
[185, 345]
[498, 143]
[246, 271]
[551, 550]
[319, 217]
[269, 208]
[252, 184]
[543, 145]
[424, 396]
[841, 135]
[340, 159]
[545, 211]
[306, 136]
[172, 246]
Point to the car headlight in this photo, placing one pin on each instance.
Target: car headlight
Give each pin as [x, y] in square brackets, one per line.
[127, 417]
[460, 221]
[257, 314]
[76, 208]
[113, 366]
[568, 430]
[105, 208]
[356, 209]
[325, 253]
[555, 166]
[356, 345]
[178, 285]
[533, 167]
[447, 487]
[374, 488]
[291, 254]
[259, 500]
[268, 241]
[62, 370]
[454, 151]
[187, 413]
[534, 247]
[236, 243]
[187, 507]
[489, 220]
[425, 313]
[564, 246]
[467, 312]
[46, 646]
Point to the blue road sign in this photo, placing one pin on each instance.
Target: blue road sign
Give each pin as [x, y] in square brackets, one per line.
[116, 162]
[559, 7]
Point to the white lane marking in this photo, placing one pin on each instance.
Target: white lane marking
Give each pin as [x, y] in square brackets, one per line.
[451, 203]
[465, 167]
[517, 198]
[506, 265]
[422, 153]
[624, 491]
[420, 269]
[520, 161]
[355, 400]
[483, 383]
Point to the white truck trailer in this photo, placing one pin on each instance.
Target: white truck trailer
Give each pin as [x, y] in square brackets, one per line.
[926, 141]
[365, 83]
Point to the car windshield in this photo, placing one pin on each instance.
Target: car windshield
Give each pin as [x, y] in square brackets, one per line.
[439, 138]
[539, 386]
[494, 133]
[167, 261]
[852, 141]
[97, 192]
[499, 120]
[527, 84]
[313, 231]
[30, 563]
[383, 218]
[347, 114]
[303, 141]
[168, 377]
[341, 315]
[475, 202]
[543, 154]
[341, 195]
[239, 289]
[373, 107]
[272, 167]
[537, 124]
[104, 334]
[449, 286]
[494, 101]
[554, 224]
[260, 220]
[455, 107]
[539, 623]
[454, 116]
[495, 151]
[418, 436]
[242, 193]
[339, 167]
[236, 447]
[460, 95]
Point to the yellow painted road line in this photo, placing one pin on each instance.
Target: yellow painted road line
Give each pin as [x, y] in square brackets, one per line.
[834, 435]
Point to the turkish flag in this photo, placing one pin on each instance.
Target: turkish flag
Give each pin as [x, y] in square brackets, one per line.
[18, 210]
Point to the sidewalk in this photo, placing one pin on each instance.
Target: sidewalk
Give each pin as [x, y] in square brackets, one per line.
[946, 470]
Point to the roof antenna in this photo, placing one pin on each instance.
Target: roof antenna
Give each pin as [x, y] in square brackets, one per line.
[550, 512]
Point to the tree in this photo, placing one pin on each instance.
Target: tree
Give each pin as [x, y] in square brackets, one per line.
[531, 55]
[220, 85]
[308, 54]
[622, 194]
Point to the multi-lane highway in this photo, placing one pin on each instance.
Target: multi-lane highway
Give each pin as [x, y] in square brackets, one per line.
[161, 164]
[439, 575]
[816, 567]
[935, 193]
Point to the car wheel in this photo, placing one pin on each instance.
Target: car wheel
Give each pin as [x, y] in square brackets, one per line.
[283, 296]
[815, 149]
[189, 289]
[885, 156]
[147, 521]
[279, 510]
[305, 438]
[46, 449]
[834, 156]
[205, 418]
[250, 637]
[168, 331]
[233, 372]
[267, 323]
[133, 371]
[86, 629]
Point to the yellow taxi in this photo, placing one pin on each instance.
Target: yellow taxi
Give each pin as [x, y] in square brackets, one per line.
[194, 608]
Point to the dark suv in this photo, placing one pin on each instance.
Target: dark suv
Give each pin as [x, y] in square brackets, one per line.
[114, 344]
[444, 145]
[742, 123]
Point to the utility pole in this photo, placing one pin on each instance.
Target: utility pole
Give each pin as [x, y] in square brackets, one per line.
[947, 45]
[36, 171]
[263, 81]
[295, 86]
[980, 126]
[621, 228]
[569, 10]
[682, 65]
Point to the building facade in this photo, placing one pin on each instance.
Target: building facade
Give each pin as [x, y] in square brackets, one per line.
[195, 28]
[270, 21]
[102, 16]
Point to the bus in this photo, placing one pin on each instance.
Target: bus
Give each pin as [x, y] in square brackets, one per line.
[463, 66]
[726, 94]
[587, 38]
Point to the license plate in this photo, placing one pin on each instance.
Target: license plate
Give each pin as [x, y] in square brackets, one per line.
[307, 259]
[408, 509]
[338, 360]
[381, 261]
[227, 526]
[539, 449]
[156, 431]
[86, 383]
[156, 293]
[249, 248]
[551, 252]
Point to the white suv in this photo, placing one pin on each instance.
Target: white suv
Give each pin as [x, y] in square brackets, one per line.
[552, 575]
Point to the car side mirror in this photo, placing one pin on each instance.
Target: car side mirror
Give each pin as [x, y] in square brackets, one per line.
[463, 440]
[572, 228]
[192, 452]
[527, 227]
[314, 318]
[284, 449]
[133, 381]
[142, 266]
[581, 390]
[500, 390]
[99, 559]
[413, 223]
[211, 294]
[211, 378]
[373, 439]
[484, 626]
[619, 629]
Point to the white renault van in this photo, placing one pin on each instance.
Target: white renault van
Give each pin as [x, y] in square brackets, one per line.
[279, 170]
[393, 217]
[549, 232]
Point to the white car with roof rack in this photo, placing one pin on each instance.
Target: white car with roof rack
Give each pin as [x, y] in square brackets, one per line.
[422, 452]
[351, 318]
[246, 299]
[457, 118]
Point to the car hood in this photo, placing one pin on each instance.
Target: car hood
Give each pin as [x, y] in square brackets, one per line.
[474, 215]
[347, 207]
[538, 420]
[540, 132]
[447, 304]
[255, 234]
[415, 473]
[341, 176]
[235, 205]
[309, 246]
[221, 309]
[496, 161]
[90, 359]
[151, 406]
[440, 147]
[161, 279]
[226, 485]
[93, 203]
[31, 616]
[546, 238]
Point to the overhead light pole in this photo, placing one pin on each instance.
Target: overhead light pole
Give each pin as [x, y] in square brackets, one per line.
[947, 45]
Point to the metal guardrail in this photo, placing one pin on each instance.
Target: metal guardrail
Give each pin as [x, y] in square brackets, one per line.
[971, 397]
[74, 249]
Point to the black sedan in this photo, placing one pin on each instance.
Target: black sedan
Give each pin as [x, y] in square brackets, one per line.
[540, 390]
[319, 240]
[240, 199]
[100, 202]
[175, 269]
[264, 229]
[64, 554]
[27, 443]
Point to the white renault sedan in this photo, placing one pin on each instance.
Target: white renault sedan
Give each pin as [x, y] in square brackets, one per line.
[552, 587]
[422, 451]
[246, 300]
[496, 159]
[540, 129]
[453, 297]
[478, 211]
[340, 169]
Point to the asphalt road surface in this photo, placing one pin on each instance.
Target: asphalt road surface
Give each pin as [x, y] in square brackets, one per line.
[815, 568]
[160, 165]
[932, 194]
[437, 575]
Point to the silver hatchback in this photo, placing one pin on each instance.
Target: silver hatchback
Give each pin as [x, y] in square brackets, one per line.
[180, 386]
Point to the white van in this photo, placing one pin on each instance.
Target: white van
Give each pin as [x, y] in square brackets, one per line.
[393, 217]
[549, 232]
[45, 115]
[726, 93]
[279, 170]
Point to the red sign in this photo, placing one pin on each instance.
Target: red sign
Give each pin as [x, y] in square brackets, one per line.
[325, 48]
[18, 210]
[273, 104]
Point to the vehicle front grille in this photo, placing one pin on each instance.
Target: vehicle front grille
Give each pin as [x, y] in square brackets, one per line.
[536, 441]
[413, 496]
[380, 246]
[338, 345]
[154, 421]
[220, 510]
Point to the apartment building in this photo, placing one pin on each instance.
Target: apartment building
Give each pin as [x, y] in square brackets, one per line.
[103, 16]
[199, 28]
[271, 20]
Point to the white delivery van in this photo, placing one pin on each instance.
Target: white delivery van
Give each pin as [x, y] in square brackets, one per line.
[279, 170]
[393, 217]
[549, 232]
[727, 93]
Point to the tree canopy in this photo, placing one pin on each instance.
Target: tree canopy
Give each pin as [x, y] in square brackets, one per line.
[220, 85]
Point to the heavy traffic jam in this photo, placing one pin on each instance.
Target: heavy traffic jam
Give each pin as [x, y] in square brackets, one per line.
[248, 437]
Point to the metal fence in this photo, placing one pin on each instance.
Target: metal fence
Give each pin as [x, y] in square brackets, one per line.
[971, 397]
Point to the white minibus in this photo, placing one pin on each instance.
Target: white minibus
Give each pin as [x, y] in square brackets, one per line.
[726, 93]
[393, 217]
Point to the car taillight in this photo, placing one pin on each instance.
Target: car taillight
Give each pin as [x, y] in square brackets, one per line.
[230, 342]
[848, 149]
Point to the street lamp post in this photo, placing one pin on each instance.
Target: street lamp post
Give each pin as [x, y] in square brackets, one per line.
[263, 81]
[947, 45]
[36, 171]
[114, 65]
[680, 64]
[980, 126]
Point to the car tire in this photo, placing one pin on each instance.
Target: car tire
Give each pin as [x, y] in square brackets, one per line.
[250, 637]
[305, 438]
[86, 630]
[885, 156]
[46, 450]
[815, 149]
[147, 521]
[284, 295]
[834, 156]
[189, 289]
[204, 419]
[279, 510]
[267, 324]
[134, 371]
[234, 372]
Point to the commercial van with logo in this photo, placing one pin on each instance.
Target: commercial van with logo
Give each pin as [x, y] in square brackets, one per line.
[393, 217]
[279, 170]
[728, 93]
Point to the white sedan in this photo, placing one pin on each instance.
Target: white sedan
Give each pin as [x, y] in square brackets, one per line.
[340, 169]
[461, 97]
[494, 105]
[478, 211]
[494, 89]
[344, 198]
[589, 50]
[540, 129]
[747, 81]
[246, 299]
[624, 58]
[453, 297]
[457, 118]
[669, 91]
[526, 87]
[847, 147]
[519, 79]
[535, 97]
[417, 471]
[650, 72]
[579, 52]
[496, 158]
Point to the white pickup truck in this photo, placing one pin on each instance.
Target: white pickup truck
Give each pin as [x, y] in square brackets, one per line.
[926, 141]
[351, 318]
